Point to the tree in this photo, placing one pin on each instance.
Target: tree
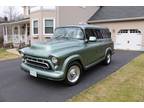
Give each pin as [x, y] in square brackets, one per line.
[11, 13]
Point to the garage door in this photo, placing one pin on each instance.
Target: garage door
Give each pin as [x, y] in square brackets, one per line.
[129, 39]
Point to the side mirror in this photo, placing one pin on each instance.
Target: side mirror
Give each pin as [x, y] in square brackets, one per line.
[92, 39]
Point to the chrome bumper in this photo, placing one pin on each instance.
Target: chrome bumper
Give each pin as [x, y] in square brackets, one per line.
[48, 74]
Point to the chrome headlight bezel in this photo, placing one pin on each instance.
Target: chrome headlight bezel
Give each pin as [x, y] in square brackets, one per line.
[22, 54]
[54, 60]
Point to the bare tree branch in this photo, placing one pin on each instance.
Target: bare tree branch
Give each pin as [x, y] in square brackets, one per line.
[12, 13]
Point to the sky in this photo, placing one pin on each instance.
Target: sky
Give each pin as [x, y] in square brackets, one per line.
[3, 8]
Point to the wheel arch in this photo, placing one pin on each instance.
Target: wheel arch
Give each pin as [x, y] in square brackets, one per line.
[107, 50]
[72, 59]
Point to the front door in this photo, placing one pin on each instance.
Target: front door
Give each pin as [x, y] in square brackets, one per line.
[92, 49]
[92, 52]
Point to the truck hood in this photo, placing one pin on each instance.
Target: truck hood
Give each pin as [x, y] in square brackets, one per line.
[44, 49]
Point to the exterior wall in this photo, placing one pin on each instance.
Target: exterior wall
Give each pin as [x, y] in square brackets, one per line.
[69, 15]
[116, 26]
[40, 15]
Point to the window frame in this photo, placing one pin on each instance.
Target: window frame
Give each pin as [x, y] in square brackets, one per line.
[35, 34]
[49, 18]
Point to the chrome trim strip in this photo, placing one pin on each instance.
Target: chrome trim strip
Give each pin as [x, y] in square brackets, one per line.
[51, 65]
[38, 62]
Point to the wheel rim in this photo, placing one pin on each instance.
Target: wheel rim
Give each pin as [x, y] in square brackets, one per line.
[108, 58]
[73, 74]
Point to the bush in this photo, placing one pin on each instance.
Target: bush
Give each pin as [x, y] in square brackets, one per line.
[8, 45]
[1, 41]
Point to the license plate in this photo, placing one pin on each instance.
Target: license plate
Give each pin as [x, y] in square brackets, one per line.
[33, 73]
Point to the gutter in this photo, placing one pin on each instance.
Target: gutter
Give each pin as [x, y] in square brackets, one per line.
[115, 20]
[15, 22]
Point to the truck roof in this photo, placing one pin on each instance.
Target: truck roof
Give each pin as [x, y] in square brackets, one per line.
[83, 26]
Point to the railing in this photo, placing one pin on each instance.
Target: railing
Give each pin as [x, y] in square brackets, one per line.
[16, 39]
[8, 39]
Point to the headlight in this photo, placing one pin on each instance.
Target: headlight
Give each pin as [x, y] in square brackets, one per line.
[22, 54]
[54, 60]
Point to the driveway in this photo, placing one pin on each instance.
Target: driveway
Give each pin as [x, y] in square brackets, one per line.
[16, 85]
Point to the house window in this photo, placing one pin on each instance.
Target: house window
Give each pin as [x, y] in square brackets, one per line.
[35, 27]
[48, 26]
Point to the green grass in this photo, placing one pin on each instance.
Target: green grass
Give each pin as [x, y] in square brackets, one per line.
[126, 84]
[4, 55]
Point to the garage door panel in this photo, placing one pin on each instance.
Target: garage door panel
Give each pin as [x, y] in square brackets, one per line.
[135, 42]
[128, 39]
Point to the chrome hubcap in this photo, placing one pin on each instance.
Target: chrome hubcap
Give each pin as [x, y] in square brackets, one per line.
[108, 58]
[73, 74]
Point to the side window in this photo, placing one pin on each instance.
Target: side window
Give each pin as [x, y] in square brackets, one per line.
[98, 34]
[107, 33]
[89, 32]
[104, 33]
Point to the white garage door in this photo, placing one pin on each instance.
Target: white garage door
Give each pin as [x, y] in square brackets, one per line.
[129, 39]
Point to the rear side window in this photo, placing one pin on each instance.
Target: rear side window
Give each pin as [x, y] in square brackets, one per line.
[98, 33]
[105, 33]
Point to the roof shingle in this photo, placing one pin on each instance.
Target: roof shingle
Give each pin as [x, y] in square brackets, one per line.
[118, 12]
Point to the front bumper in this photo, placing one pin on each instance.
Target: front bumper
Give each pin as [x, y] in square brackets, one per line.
[49, 74]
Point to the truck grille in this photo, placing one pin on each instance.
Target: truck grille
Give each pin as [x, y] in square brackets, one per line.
[37, 62]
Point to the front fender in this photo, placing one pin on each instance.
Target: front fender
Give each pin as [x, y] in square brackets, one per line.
[70, 59]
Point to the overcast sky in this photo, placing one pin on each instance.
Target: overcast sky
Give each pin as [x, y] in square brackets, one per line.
[2, 8]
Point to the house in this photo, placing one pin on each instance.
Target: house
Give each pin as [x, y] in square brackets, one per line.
[17, 31]
[126, 24]
[39, 22]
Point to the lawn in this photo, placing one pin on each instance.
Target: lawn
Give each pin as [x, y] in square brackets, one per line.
[4, 55]
[126, 84]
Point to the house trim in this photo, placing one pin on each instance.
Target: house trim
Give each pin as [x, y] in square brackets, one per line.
[48, 18]
[16, 22]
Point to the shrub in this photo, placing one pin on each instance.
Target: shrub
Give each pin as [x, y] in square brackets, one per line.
[8, 45]
[1, 41]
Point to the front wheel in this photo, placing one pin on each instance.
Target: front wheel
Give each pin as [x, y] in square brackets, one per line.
[73, 73]
[107, 60]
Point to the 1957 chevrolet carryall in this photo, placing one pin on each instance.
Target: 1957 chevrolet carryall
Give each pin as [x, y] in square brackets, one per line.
[72, 50]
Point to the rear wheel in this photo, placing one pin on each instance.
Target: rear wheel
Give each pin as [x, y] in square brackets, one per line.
[73, 73]
[107, 60]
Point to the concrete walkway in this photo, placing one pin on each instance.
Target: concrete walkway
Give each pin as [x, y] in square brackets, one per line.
[14, 51]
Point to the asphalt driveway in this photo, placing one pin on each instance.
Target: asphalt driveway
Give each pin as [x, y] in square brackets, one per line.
[15, 85]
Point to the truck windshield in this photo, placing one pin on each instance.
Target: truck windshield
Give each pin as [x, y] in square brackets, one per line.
[69, 32]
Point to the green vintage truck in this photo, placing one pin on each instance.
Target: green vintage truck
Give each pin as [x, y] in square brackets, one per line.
[72, 50]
